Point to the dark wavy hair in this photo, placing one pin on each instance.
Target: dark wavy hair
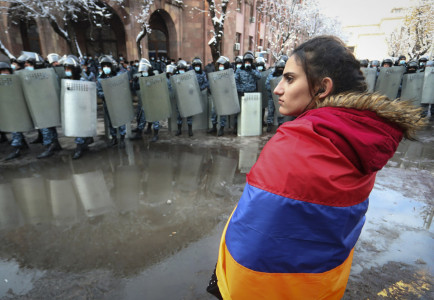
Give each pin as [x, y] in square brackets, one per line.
[327, 56]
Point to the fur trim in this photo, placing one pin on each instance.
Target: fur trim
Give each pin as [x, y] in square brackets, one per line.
[402, 113]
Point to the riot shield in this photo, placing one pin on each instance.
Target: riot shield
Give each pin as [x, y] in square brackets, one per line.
[261, 87]
[412, 87]
[428, 86]
[64, 203]
[389, 80]
[249, 121]
[42, 93]
[370, 77]
[14, 114]
[187, 93]
[93, 193]
[118, 99]
[224, 92]
[155, 97]
[60, 72]
[78, 107]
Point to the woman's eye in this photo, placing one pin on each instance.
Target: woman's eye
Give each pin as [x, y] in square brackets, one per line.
[289, 79]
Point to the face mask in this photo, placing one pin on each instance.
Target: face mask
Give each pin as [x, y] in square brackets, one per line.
[238, 66]
[107, 70]
[402, 62]
[13, 67]
[221, 68]
[68, 73]
[84, 57]
[120, 58]
[136, 64]
[260, 68]
[197, 69]
[181, 71]
[30, 68]
[145, 74]
[422, 64]
[247, 66]
[90, 57]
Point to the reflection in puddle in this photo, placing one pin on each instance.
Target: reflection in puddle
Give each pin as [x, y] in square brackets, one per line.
[112, 211]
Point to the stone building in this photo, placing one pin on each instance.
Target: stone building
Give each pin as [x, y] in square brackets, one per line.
[180, 29]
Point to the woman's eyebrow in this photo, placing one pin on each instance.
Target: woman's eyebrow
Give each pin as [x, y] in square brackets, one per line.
[288, 74]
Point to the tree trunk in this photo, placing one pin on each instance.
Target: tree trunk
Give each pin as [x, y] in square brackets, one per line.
[139, 38]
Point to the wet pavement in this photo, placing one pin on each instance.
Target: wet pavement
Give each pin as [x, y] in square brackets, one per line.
[144, 222]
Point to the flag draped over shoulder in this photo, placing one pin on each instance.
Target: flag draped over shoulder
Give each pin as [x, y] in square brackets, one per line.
[293, 232]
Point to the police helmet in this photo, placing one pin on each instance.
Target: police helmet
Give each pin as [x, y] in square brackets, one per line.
[170, 69]
[5, 65]
[412, 66]
[71, 61]
[280, 64]
[144, 65]
[196, 61]
[238, 59]
[375, 63]
[387, 61]
[284, 57]
[223, 60]
[260, 61]
[364, 63]
[106, 60]
[22, 59]
[402, 57]
[53, 57]
[248, 56]
[423, 59]
[182, 64]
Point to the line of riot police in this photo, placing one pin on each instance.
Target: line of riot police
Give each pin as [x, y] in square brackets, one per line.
[47, 98]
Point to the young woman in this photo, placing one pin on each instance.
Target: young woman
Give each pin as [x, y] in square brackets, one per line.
[293, 232]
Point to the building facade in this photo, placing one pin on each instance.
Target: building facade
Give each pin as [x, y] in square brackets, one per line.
[179, 29]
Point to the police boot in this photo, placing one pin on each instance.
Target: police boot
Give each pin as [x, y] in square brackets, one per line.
[89, 140]
[178, 132]
[221, 131]
[39, 139]
[137, 135]
[17, 151]
[79, 150]
[269, 127]
[149, 129]
[155, 137]
[3, 137]
[213, 129]
[51, 149]
[114, 141]
[122, 142]
[190, 130]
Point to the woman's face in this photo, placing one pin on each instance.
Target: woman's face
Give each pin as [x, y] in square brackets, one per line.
[293, 89]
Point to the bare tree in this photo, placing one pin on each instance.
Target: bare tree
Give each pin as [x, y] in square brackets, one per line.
[143, 20]
[415, 37]
[61, 14]
[218, 13]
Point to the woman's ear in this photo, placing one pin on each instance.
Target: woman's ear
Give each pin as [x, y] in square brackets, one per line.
[326, 88]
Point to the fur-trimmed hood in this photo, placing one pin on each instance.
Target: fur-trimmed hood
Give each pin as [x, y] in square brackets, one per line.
[365, 127]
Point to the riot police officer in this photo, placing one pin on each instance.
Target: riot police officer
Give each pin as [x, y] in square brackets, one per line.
[18, 141]
[200, 74]
[387, 63]
[222, 63]
[49, 135]
[73, 71]
[109, 67]
[145, 69]
[364, 63]
[277, 72]
[181, 68]
[53, 59]
[422, 63]
[238, 63]
[245, 79]
[411, 67]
